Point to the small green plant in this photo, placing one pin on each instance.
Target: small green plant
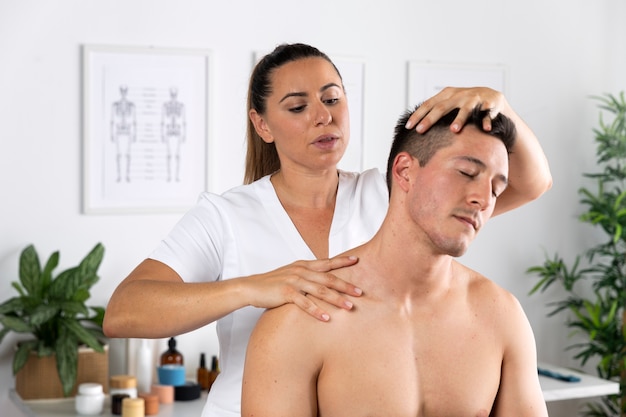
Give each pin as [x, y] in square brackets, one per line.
[595, 282]
[53, 310]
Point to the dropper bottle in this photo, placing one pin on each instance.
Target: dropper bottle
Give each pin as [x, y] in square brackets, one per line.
[171, 356]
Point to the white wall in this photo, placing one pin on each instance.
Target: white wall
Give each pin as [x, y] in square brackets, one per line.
[558, 53]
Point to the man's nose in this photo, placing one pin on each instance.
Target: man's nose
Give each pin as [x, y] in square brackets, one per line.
[481, 195]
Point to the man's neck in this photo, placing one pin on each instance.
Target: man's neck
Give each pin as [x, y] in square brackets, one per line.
[404, 269]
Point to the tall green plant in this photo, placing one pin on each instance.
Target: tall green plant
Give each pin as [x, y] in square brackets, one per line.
[595, 282]
[53, 311]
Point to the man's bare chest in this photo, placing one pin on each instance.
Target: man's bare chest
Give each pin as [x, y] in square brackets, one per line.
[438, 368]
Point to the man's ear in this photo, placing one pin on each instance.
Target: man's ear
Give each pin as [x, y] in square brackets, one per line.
[401, 170]
[261, 127]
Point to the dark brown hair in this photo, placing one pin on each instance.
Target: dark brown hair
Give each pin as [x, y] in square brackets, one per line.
[423, 146]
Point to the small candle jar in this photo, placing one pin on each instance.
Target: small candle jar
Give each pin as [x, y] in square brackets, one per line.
[165, 393]
[151, 403]
[90, 399]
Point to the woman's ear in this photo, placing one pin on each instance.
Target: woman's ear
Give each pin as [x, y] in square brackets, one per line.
[401, 169]
[262, 129]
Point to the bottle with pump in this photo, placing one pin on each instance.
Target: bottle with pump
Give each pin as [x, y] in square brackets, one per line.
[203, 373]
[171, 356]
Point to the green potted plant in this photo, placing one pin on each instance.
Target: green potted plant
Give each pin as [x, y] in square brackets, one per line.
[595, 281]
[54, 311]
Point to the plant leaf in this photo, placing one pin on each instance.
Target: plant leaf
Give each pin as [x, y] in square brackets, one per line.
[43, 313]
[21, 355]
[46, 274]
[73, 308]
[30, 270]
[12, 305]
[99, 317]
[88, 267]
[64, 285]
[16, 324]
[81, 335]
[67, 360]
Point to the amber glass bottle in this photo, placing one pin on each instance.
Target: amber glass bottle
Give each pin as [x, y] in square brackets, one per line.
[203, 373]
[215, 370]
[171, 356]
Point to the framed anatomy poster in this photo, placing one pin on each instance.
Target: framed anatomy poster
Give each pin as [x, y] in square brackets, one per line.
[145, 128]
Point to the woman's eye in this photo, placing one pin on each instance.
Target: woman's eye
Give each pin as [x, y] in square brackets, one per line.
[467, 174]
[331, 100]
[297, 109]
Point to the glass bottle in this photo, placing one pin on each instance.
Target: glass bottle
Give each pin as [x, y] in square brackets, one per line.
[203, 373]
[171, 356]
[215, 370]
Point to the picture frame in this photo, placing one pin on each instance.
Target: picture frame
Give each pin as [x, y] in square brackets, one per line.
[145, 128]
[427, 78]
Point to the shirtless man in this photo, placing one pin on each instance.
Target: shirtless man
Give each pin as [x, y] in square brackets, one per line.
[429, 336]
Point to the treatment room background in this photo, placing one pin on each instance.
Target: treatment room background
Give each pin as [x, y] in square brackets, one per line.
[556, 53]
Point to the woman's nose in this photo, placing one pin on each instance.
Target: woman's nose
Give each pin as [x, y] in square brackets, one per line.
[323, 115]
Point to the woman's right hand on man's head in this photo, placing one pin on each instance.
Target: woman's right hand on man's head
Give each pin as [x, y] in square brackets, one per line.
[463, 98]
[292, 283]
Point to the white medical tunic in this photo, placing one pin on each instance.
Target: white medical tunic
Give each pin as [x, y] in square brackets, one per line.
[246, 231]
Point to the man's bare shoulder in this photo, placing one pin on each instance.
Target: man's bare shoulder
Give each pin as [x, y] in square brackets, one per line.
[285, 314]
[292, 316]
[499, 310]
[486, 293]
[480, 284]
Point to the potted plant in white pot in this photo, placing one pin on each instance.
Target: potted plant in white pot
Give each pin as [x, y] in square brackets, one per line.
[53, 310]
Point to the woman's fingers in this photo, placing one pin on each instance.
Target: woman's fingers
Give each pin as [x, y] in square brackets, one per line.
[307, 305]
[450, 98]
[292, 283]
[316, 278]
[329, 280]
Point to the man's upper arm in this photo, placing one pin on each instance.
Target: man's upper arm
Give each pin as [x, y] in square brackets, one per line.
[520, 392]
[281, 369]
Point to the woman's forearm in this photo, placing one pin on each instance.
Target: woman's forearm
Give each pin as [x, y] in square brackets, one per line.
[529, 171]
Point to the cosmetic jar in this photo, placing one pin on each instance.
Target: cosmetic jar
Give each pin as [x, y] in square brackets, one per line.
[116, 403]
[151, 403]
[89, 399]
[133, 407]
[123, 384]
[165, 393]
[171, 375]
[187, 392]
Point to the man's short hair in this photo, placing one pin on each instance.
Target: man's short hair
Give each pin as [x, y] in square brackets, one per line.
[424, 146]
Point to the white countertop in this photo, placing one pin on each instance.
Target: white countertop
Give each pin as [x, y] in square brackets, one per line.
[588, 386]
[553, 390]
[65, 407]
